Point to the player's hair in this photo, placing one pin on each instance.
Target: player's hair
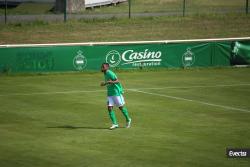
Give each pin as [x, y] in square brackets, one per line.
[107, 64]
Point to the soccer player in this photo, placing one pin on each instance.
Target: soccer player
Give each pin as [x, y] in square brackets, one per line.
[115, 97]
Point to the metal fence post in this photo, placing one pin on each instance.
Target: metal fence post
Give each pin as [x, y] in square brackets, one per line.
[184, 8]
[246, 6]
[65, 10]
[129, 9]
[5, 12]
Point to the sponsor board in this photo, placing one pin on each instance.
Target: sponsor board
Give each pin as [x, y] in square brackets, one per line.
[134, 58]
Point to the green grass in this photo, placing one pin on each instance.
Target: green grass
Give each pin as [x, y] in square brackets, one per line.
[70, 129]
[193, 6]
[30, 8]
[143, 6]
[124, 29]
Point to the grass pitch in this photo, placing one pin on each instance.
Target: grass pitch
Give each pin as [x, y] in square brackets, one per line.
[180, 118]
[124, 29]
[141, 6]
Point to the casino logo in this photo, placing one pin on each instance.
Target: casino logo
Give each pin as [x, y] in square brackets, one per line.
[140, 58]
[188, 58]
[113, 58]
[79, 61]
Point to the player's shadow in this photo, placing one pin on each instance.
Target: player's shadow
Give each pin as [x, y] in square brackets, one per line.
[70, 127]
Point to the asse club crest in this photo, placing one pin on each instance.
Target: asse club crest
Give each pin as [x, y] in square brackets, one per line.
[113, 58]
[188, 58]
[79, 61]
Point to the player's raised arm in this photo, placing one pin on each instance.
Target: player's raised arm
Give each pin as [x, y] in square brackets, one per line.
[113, 82]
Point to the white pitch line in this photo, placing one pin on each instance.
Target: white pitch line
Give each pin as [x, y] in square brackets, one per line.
[49, 93]
[190, 100]
[197, 86]
[89, 91]
[124, 43]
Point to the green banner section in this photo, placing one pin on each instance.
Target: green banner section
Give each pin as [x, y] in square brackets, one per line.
[82, 58]
[241, 53]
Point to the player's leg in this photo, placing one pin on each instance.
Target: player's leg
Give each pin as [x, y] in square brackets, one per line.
[124, 112]
[126, 115]
[121, 103]
[112, 113]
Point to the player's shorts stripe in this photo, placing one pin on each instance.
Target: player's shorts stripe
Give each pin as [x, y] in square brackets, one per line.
[121, 99]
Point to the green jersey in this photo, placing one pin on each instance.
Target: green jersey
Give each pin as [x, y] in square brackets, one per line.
[113, 89]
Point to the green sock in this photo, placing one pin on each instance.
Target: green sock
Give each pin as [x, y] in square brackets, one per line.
[112, 117]
[125, 113]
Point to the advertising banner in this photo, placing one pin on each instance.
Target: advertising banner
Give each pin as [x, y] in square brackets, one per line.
[90, 57]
